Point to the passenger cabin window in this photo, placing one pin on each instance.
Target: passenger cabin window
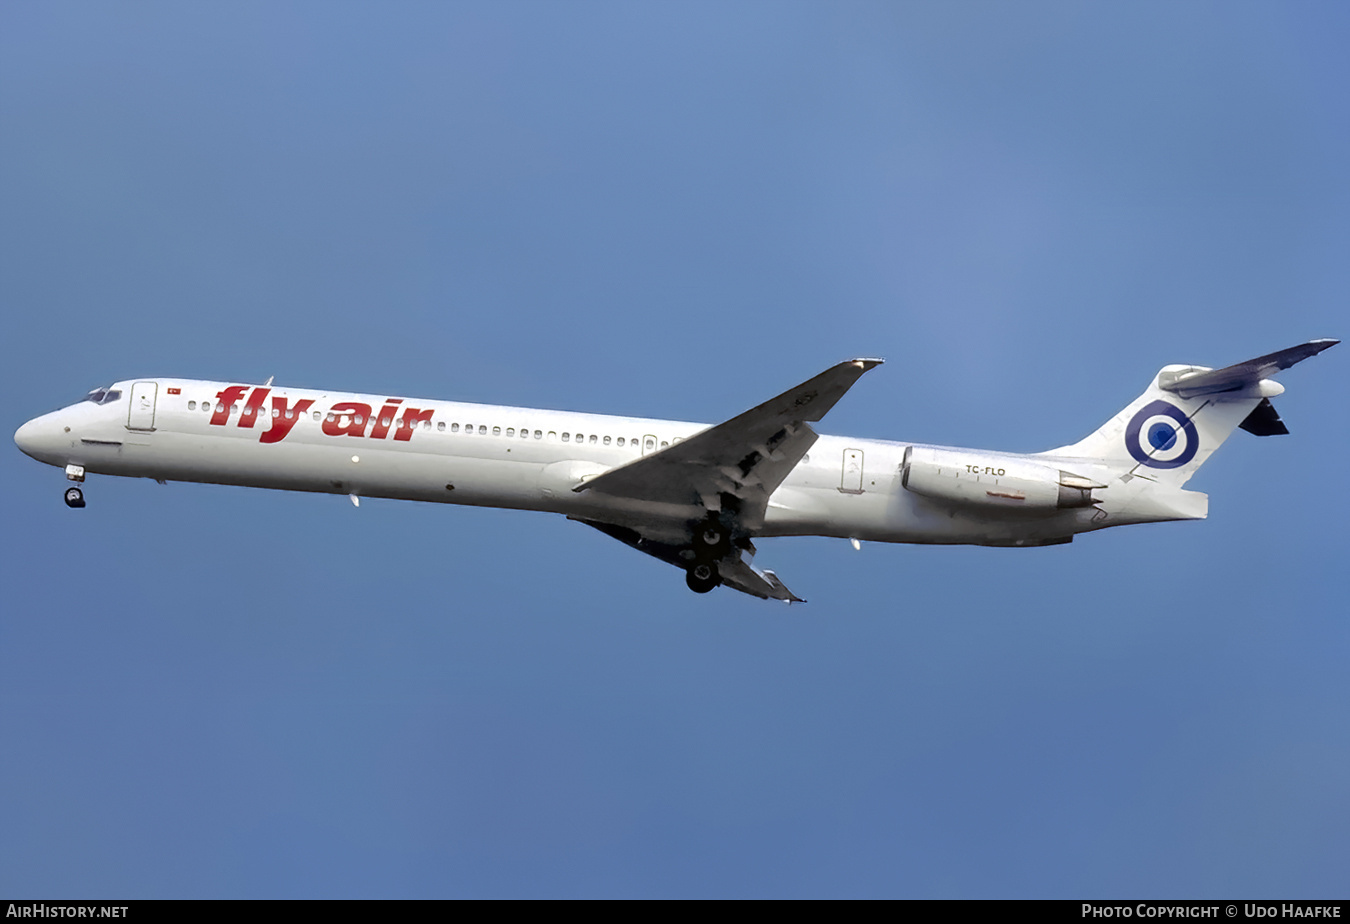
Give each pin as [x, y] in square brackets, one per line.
[496, 431]
[192, 405]
[606, 440]
[440, 425]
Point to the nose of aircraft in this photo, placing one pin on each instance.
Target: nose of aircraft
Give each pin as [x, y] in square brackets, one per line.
[26, 437]
[36, 436]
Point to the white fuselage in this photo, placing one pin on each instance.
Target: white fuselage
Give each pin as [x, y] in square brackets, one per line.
[495, 456]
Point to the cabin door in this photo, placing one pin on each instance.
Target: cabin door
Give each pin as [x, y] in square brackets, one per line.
[141, 413]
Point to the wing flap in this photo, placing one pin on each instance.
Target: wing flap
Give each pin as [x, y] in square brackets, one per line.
[740, 575]
[735, 570]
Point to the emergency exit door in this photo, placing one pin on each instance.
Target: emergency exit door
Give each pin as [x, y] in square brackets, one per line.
[851, 479]
[141, 413]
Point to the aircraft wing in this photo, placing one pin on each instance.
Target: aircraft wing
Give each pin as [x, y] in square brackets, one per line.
[1240, 375]
[747, 457]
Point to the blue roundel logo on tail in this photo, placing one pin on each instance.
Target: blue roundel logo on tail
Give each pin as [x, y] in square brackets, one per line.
[1161, 436]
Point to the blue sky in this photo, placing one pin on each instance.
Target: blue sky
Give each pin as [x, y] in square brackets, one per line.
[673, 210]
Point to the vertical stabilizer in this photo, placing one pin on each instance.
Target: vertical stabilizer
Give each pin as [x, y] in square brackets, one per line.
[1186, 413]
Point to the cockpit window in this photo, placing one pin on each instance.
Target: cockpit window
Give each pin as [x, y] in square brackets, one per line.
[103, 395]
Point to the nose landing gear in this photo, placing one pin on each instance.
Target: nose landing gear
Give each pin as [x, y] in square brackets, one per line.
[74, 496]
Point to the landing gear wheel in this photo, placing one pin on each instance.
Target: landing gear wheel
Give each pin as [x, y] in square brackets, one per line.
[74, 497]
[702, 577]
[712, 540]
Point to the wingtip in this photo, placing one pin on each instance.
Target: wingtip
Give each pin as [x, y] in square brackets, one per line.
[866, 363]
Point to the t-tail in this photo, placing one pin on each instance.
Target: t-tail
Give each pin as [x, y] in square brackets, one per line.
[1170, 430]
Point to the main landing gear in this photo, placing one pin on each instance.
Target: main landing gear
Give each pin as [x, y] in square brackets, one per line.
[74, 497]
[702, 577]
[712, 543]
[711, 540]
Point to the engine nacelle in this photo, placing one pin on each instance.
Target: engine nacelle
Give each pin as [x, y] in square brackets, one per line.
[987, 481]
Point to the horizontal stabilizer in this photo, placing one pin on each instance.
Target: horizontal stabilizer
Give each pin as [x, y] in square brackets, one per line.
[1242, 375]
[1264, 420]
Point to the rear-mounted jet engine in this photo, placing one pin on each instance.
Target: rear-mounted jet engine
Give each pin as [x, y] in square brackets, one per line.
[987, 481]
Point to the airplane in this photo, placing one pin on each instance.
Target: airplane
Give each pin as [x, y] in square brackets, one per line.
[692, 495]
